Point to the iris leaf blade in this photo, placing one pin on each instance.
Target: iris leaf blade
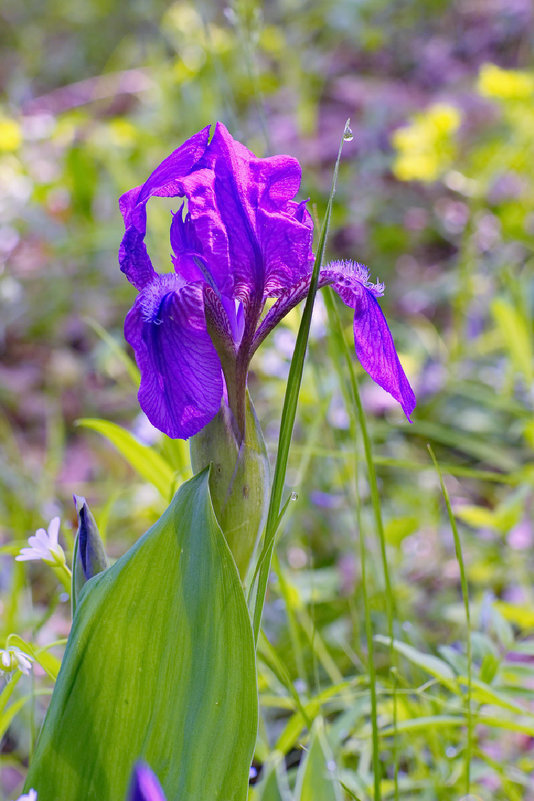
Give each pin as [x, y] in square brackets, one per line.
[161, 648]
[145, 460]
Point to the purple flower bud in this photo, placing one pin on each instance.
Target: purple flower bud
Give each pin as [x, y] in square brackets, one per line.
[90, 557]
[144, 785]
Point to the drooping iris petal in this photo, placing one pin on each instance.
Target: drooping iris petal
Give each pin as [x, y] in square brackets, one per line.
[373, 342]
[181, 382]
[372, 338]
[144, 785]
[376, 351]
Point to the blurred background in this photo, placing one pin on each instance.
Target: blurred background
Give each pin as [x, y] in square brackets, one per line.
[435, 195]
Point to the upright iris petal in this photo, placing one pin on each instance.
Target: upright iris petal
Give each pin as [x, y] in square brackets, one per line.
[242, 239]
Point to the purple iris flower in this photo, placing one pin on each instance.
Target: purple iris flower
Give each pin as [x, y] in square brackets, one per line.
[238, 239]
[144, 785]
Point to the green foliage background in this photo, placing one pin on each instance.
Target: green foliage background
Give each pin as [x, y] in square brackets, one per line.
[436, 196]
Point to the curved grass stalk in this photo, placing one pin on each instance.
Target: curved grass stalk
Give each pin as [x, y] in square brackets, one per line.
[465, 596]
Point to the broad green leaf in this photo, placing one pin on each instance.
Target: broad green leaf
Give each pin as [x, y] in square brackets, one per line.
[316, 780]
[476, 516]
[146, 461]
[424, 723]
[522, 725]
[489, 667]
[397, 529]
[500, 519]
[160, 665]
[427, 662]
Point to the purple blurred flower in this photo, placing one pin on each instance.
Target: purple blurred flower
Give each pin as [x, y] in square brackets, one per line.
[144, 785]
[241, 240]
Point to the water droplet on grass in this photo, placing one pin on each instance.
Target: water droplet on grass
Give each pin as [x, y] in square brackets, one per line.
[348, 136]
[294, 496]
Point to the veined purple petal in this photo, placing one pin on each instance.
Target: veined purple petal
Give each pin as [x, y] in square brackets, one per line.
[210, 229]
[372, 338]
[181, 381]
[243, 229]
[134, 260]
[165, 181]
[187, 259]
[237, 213]
[243, 238]
[144, 785]
[221, 330]
[286, 244]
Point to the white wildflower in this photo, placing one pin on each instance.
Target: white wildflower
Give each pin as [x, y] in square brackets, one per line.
[44, 545]
[31, 796]
[12, 658]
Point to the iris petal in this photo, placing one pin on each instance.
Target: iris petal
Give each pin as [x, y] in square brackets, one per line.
[372, 338]
[165, 181]
[181, 382]
[238, 205]
[373, 342]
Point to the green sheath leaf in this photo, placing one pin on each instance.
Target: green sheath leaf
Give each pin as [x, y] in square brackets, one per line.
[316, 779]
[160, 665]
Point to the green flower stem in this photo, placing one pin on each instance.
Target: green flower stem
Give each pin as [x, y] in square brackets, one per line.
[61, 570]
[356, 411]
[465, 596]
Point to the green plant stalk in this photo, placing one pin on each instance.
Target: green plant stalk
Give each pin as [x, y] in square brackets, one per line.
[336, 328]
[465, 596]
[288, 415]
[63, 575]
[377, 773]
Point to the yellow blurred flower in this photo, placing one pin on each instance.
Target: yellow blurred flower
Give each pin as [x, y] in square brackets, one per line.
[10, 134]
[505, 84]
[122, 132]
[425, 148]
